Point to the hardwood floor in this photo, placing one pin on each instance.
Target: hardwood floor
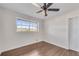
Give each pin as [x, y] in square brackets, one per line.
[40, 49]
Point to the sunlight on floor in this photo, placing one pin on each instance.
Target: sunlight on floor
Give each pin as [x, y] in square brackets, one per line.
[32, 53]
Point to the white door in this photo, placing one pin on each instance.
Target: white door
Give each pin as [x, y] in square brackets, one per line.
[74, 33]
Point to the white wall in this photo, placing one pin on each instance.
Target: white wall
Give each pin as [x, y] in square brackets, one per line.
[57, 29]
[9, 38]
[1, 33]
[74, 33]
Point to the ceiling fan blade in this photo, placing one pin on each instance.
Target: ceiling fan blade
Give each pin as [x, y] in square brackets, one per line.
[37, 5]
[44, 4]
[53, 9]
[39, 11]
[49, 4]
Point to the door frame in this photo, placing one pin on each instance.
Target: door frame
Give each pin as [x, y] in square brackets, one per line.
[69, 30]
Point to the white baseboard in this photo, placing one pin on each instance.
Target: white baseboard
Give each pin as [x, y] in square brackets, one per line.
[75, 50]
[56, 44]
[21, 45]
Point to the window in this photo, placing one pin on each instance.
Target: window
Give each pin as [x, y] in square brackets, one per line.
[26, 25]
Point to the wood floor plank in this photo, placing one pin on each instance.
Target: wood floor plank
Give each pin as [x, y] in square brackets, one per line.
[40, 49]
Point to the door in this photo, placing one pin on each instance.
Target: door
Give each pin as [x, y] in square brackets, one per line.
[74, 33]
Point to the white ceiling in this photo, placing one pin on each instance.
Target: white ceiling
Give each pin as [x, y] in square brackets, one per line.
[30, 9]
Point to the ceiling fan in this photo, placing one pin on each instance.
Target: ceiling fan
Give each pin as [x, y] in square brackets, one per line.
[46, 8]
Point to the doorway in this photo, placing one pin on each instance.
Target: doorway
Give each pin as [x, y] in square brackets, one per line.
[74, 33]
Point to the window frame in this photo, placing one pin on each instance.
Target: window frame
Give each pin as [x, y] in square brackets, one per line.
[30, 21]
